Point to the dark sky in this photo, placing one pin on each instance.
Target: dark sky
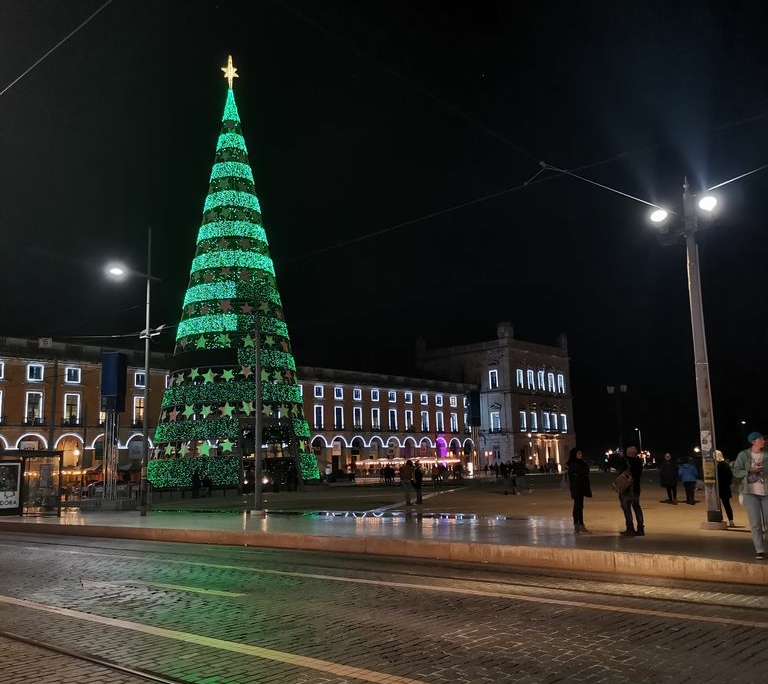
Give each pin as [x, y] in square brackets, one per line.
[361, 116]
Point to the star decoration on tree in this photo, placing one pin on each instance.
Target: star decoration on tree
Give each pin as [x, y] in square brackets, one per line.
[230, 71]
[246, 308]
[228, 375]
[224, 340]
[225, 271]
[172, 414]
[208, 277]
[266, 410]
[225, 305]
[276, 376]
[247, 407]
[210, 375]
[226, 410]
[204, 449]
[248, 341]
[194, 373]
[284, 344]
[246, 372]
[269, 341]
[264, 376]
[226, 445]
[264, 307]
[205, 309]
[223, 243]
[168, 450]
[200, 344]
[189, 410]
[184, 449]
[245, 243]
[245, 276]
[206, 411]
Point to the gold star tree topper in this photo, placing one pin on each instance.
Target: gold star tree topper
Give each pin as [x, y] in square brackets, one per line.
[230, 71]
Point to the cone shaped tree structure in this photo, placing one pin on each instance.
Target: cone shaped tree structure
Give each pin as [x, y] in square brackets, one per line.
[210, 397]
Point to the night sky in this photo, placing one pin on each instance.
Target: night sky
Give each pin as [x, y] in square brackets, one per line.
[361, 119]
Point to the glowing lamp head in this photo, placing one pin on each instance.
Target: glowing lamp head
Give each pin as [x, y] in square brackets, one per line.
[116, 271]
[708, 203]
[658, 216]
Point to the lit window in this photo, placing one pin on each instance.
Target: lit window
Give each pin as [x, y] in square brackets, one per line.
[540, 379]
[375, 419]
[493, 379]
[523, 422]
[392, 396]
[551, 382]
[439, 424]
[34, 408]
[519, 378]
[454, 422]
[529, 377]
[374, 395]
[393, 420]
[438, 400]
[2, 370]
[357, 394]
[301, 389]
[338, 417]
[561, 383]
[563, 423]
[357, 417]
[338, 392]
[138, 411]
[424, 399]
[139, 379]
[318, 413]
[409, 420]
[72, 375]
[545, 420]
[168, 379]
[425, 421]
[318, 392]
[35, 372]
[409, 397]
[553, 420]
[71, 409]
[1, 405]
[495, 421]
[534, 421]
[453, 402]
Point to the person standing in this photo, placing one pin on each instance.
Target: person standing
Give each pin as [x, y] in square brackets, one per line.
[668, 478]
[578, 479]
[406, 480]
[724, 480]
[418, 479]
[629, 499]
[687, 474]
[749, 466]
[520, 475]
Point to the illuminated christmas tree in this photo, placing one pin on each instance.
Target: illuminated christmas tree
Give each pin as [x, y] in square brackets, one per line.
[211, 390]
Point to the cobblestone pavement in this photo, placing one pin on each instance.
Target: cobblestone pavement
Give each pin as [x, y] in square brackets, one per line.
[240, 616]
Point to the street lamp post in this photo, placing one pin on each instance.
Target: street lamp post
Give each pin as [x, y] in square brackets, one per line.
[617, 391]
[672, 233]
[639, 438]
[119, 272]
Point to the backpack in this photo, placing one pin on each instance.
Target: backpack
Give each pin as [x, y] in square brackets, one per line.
[622, 482]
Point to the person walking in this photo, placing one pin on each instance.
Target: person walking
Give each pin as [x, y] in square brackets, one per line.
[406, 480]
[749, 466]
[687, 474]
[668, 478]
[520, 475]
[577, 470]
[724, 480]
[418, 479]
[629, 499]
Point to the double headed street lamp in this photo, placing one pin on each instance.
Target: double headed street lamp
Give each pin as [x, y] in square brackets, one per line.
[117, 271]
[697, 212]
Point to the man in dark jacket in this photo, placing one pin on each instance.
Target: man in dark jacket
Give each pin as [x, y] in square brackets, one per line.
[629, 499]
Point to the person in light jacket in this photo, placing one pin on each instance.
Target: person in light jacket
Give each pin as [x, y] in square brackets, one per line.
[749, 466]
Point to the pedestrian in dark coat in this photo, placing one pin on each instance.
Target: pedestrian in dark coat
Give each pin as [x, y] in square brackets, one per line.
[418, 479]
[724, 481]
[578, 479]
[668, 478]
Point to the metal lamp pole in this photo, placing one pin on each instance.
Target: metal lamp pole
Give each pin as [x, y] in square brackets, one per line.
[258, 503]
[143, 504]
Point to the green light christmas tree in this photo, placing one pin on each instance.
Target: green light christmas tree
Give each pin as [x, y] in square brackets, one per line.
[211, 390]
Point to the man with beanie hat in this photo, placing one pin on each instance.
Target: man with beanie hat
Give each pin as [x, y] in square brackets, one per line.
[749, 467]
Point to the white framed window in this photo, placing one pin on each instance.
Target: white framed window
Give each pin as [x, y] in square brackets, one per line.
[561, 383]
[318, 393]
[408, 397]
[375, 419]
[393, 420]
[33, 408]
[540, 379]
[139, 379]
[409, 420]
[438, 400]
[519, 378]
[551, 382]
[357, 417]
[493, 379]
[71, 409]
[563, 423]
[453, 401]
[167, 379]
[138, 410]
[425, 421]
[529, 377]
[495, 421]
[392, 396]
[553, 420]
[1, 405]
[545, 420]
[357, 394]
[72, 375]
[424, 399]
[338, 417]
[35, 372]
[374, 395]
[318, 414]
[2, 370]
[338, 392]
[439, 422]
[534, 421]
[454, 418]
[466, 427]
[523, 422]
[102, 417]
